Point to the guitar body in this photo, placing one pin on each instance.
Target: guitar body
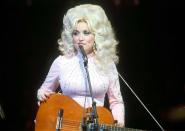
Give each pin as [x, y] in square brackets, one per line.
[46, 118]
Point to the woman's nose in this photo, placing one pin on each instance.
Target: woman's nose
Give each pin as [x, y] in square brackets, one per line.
[81, 37]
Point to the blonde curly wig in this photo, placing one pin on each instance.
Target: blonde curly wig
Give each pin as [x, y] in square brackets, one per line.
[98, 24]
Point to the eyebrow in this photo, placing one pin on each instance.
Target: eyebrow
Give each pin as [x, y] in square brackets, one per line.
[82, 30]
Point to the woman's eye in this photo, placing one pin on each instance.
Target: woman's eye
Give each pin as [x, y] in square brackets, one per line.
[75, 33]
[87, 32]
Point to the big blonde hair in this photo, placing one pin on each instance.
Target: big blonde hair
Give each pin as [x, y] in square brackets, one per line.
[98, 24]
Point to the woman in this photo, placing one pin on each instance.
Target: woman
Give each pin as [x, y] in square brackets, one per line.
[88, 26]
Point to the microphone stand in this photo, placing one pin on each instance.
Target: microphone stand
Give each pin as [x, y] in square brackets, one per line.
[93, 125]
[162, 129]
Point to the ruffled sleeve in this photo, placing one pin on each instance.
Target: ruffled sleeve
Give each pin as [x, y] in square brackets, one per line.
[115, 97]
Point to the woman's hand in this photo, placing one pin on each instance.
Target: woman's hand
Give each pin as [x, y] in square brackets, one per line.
[43, 95]
[119, 124]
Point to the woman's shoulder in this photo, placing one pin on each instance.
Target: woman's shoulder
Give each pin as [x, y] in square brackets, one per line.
[62, 59]
[58, 58]
[112, 69]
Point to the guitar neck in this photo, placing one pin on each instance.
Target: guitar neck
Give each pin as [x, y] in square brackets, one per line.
[105, 127]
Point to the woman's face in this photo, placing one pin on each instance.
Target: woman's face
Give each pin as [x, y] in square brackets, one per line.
[82, 36]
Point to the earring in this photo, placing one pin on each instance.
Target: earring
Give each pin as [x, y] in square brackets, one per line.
[94, 47]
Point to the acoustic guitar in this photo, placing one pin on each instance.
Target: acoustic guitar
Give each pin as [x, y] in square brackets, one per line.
[46, 118]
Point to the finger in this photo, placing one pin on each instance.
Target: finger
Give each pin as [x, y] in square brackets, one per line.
[38, 103]
[42, 98]
[48, 94]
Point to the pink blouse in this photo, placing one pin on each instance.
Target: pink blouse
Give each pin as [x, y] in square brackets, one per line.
[71, 75]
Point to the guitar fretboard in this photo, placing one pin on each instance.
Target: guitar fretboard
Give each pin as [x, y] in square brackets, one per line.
[105, 127]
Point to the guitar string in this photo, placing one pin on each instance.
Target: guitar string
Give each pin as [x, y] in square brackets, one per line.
[77, 123]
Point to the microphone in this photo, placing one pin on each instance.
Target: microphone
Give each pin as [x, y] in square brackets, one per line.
[84, 55]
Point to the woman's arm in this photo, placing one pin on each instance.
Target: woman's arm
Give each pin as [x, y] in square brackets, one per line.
[50, 83]
[115, 98]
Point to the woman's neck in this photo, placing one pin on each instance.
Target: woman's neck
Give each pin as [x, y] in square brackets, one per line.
[90, 54]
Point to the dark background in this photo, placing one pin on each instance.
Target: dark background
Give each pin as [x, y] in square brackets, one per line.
[151, 35]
